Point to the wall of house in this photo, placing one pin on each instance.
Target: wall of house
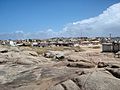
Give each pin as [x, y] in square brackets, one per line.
[107, 47]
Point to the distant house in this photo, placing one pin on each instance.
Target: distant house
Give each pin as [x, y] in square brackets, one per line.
[34, 44]
[107, 47]
[64, 44]
[111, 47]
[75, 45]
[43, 44]
[12, 43]
[95, 42]
[85, 43]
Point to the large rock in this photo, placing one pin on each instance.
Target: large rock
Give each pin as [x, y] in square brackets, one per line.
[3, 87]
[32, 53]
[54, 54]
[59, 56]
[114, 71]
[23, 57]
[81, 65]
[14, 49]
[3, 50]
[74, 58]
[25, 61]
[48, 55]
[57, 87]
[3, 59]
[98, 80]
[109, 64]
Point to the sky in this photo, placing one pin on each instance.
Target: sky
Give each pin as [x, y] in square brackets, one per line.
[21, 19]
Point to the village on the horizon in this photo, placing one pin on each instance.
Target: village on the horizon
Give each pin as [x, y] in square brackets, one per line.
[109, 44]
[60, 41]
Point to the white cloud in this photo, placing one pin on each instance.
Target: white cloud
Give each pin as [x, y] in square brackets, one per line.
[101, 25]
[49, 33]
[105, 23]
[19, 31]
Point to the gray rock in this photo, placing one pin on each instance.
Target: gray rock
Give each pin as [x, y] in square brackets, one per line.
[48, 55]
[32, 53]
[3, 87]
[59, 56]
[54, 54]
[81, 65]
[70, 85]
[98, 81]
[74, 58]
[57, 87]
[114, 71]
[110, 64]
[3, 50]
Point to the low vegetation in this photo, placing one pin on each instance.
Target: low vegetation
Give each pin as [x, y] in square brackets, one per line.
[40, 50]
[95, 47]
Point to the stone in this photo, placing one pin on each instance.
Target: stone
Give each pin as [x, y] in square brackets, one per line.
[3, 50]
[32, 53]
[48, 55]
[114, 71]
[81, 65]
[70, 85]
[54, 54]
[98, 80]
[75, 58]
[57, 87]
[59, 56]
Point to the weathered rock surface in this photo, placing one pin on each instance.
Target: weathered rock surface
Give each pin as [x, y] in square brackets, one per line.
[57, 87]
[97, 80]
[21, 68]
[81, 65]
[70, 85]
[114, 71]
[54, 54]
[18, 56]
[75, 58]
[3, 50]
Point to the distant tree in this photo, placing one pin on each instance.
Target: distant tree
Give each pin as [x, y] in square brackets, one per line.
[30, 40]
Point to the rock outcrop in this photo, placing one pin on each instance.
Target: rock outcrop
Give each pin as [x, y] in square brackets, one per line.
[21, 68]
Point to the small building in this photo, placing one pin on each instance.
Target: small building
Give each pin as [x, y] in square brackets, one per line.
[43, 44]
[34, 44]
[107, 47]
[111, 47]
[85, 42]
[12, 43]
[95, 42]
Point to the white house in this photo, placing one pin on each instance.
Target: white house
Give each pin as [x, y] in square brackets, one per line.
[12, 43]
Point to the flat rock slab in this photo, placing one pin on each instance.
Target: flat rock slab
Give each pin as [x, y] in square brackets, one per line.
[81, 65]
[57, 87]
[98, 81]
[70, 85]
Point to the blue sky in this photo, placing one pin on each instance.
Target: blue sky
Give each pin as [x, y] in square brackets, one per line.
[32, 16]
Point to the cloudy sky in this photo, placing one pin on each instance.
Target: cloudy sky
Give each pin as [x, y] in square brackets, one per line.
[21, 19]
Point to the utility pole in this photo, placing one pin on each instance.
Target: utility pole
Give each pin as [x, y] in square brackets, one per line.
[110, 35]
